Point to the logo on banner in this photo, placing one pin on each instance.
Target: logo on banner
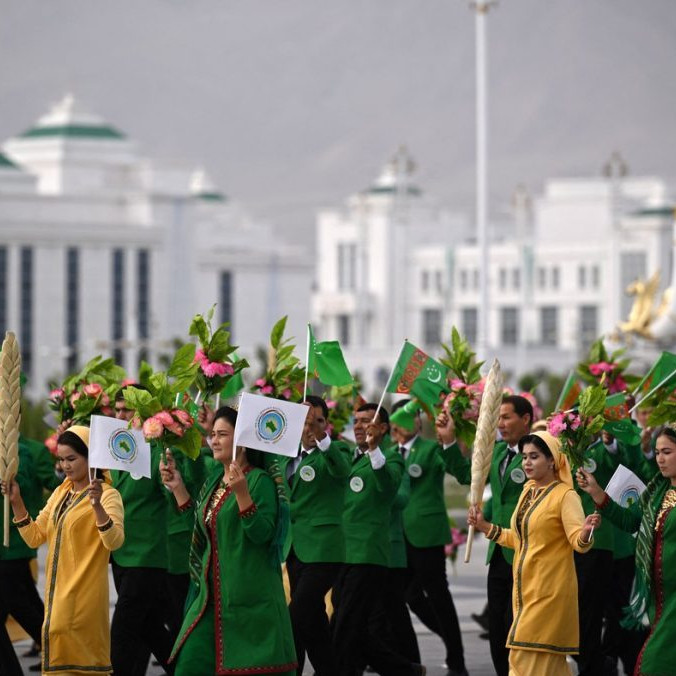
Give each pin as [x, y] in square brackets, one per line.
[630, 495]
[123, 446]
[270, 425]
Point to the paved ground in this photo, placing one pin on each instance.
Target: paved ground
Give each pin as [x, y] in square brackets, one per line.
[468, 585]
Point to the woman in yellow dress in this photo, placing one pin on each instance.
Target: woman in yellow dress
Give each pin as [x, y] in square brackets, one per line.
[547, 525]
[82, 522]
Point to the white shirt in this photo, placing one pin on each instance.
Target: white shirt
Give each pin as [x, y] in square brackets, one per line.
[322, 445]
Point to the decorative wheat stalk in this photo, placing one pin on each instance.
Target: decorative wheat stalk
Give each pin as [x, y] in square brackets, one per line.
[486, 427]
[10, 417]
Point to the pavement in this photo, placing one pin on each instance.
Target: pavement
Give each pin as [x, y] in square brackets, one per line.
[468, 586]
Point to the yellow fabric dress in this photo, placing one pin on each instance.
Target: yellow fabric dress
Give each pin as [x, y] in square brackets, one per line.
[76, 630]
[544, 531]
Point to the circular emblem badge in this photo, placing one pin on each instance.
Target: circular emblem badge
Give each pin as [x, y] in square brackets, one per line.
[517, 475]
[356, 484]
[589, 465]
[415, 471]
[629, 496]
[123, 446]
[307, 473]
[270, 425]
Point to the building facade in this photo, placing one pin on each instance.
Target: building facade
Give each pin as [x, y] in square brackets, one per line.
[391, 266]
[105, 252]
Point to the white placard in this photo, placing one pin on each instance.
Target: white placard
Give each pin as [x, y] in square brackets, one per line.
[113, 445]
[624, 486]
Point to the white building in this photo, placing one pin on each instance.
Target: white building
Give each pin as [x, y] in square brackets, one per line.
[102, 251]
[391, 267]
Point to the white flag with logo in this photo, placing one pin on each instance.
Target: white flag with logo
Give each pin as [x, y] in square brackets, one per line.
[625, 487]
[270, 425]
[113, 445]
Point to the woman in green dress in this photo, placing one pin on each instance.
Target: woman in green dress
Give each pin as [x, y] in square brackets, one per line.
[654, 517]
[237, 620]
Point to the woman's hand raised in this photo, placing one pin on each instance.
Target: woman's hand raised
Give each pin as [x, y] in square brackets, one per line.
[587, 483]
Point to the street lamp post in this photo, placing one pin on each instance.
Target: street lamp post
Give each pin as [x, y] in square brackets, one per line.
[481, 8]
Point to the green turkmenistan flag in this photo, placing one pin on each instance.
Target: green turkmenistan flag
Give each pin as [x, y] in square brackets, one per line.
[414, 364]
[405, 415]
[326, 361]
[427, 392]
[661, 374]
[618, 421]
[570, 393]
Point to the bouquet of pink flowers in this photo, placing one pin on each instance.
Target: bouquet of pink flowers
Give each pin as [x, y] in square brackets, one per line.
[214, 357]
[89, 392]
[159, 410]
[607, 369]
[578, 429]
[283, 377]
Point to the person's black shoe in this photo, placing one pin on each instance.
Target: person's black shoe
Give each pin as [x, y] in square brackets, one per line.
[419, 669]
[33, 651]
[35, 667]
[481, 620]
[454, 672]
[484, 635]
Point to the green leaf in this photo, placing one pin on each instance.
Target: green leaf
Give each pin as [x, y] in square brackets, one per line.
[210, 313]
[145, 370]
[189, 444]
[592, 400]
[199, 328]
[278, 332]
[183, 360]
[219, 347]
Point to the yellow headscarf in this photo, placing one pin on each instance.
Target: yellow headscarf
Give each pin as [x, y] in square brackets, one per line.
[82, 432]
[561, 464]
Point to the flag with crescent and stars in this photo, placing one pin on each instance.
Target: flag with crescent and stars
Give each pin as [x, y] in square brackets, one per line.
[413, 364]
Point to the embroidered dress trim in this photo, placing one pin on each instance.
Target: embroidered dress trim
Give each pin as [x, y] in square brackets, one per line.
[249, 511]
[185, 506]
[106, 526]
[23, 523]
[604, 503]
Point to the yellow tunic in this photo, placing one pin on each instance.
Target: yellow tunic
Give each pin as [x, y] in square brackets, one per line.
[544, 597]
[76, 630]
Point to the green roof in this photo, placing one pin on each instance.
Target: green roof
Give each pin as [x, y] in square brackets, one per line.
[390, 190]
[74, 131]
[211, 196]
[6, 162]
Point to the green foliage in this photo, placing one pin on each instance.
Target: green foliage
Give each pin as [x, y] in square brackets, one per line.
[33, 425]
[460, 359]
[663, 413]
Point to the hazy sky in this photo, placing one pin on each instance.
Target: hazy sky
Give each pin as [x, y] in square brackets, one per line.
[294, 104]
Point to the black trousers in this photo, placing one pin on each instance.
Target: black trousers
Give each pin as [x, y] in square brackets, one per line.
[499, 588]
[138, 626]
[358, 591]
[427, 566]
[19, 597]
[309, 584]
[619, 642]
[593, 584]
[391, 620]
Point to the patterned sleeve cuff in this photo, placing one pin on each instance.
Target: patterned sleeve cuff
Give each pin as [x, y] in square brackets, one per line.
[494, 533]
[604, 503]
[106, 526]
[185, 506]
[583, 544]
[249, 511]
[23, 523]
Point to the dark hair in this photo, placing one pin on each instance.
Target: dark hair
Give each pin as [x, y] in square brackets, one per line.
[317, 402]
[538, 442]
[119, 395]
[666, 431]
[383, 415]
[229, 414]
[521, 406]
[73, 441]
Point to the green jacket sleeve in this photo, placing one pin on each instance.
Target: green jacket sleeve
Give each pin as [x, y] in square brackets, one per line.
[388, 477]
[625, 518]
[337, 460]
[259, 521]
[456, 464]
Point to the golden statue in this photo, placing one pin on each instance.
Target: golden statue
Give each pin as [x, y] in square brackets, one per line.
[644, 311]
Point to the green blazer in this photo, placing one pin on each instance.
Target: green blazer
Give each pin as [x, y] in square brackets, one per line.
[425, 517]
[368, 502]
[505, 491]
[317, 498]
[31, 492]
[145, 517]
[602, 465]
[233, 567]
[180, 524]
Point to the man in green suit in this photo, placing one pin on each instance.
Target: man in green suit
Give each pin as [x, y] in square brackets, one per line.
[373, 482]
[140, 568]
[316, 481]
[427, 530]
[506, 479]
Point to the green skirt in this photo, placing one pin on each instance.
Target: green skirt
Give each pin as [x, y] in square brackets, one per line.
[197, 656]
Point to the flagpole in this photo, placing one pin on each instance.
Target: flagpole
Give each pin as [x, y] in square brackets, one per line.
[647, 396]
[387, 384]
[307, 363]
